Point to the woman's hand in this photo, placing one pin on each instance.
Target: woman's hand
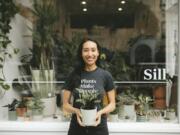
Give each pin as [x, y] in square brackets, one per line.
[79, 117]
[98, 118]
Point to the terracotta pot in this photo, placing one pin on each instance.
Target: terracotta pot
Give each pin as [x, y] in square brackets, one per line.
[160, 103]
[159, 92]
[21, 111]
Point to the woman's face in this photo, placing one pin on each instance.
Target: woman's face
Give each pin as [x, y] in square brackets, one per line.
[90, 53]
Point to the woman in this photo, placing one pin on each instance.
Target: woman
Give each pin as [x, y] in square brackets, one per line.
[88, 73]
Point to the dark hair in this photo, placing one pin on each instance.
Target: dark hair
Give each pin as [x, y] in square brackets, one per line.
[80, 65]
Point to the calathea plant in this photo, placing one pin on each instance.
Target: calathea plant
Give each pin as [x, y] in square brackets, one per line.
[88, 98]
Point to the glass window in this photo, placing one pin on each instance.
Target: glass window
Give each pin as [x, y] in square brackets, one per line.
[139, 40]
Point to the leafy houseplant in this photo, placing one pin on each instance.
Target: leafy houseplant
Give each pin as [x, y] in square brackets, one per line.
[21, 107]
[88, 100]
[12, 110]
[126, 100]
[42, 64]
[7, 12]
[36, 106]
[143, 106]
[113, 116]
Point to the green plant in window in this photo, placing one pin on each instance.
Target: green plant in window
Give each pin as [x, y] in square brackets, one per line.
[7, 11]
[88, 98]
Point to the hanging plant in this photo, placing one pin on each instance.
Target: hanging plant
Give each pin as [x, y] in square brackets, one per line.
[7, 11]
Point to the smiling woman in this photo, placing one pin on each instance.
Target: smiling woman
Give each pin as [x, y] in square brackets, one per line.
[88, 58]
[138, 57]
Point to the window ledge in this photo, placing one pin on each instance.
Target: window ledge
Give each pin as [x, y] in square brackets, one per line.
[114, 127]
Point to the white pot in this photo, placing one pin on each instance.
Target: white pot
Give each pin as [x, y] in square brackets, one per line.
[37, 117]
[49, 106]
[129, 110]
[113, 117]
[171, 115]
[89, 117]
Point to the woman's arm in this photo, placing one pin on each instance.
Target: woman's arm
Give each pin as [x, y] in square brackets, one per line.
[69, 108]
[111, 105]
[109, 108]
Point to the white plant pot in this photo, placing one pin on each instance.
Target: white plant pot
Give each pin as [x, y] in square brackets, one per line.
[49, 106]
[89, 117]
[113, 117]
[171, 115]
[37, 117]
[129, 110]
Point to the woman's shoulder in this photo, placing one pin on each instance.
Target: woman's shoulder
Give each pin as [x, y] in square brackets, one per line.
[105, 72]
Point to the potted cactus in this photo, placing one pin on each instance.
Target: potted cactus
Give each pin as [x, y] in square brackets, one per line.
[88, 100]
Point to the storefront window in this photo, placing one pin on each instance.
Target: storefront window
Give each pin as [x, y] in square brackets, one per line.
[139, 40]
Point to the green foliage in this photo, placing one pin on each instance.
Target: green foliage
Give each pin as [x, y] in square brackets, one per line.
[66, 55]
[22, 103]
[143, 101]
[12, 106]
[88, 98]
[127, 97]
[46, 16]
[35, 104]
[7, 11]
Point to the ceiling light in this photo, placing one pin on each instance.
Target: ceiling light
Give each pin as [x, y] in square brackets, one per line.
[83, 2]
[123, 2]
[84, 9]
[120, 9]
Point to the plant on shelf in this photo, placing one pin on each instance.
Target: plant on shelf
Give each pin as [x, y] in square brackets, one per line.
[42, 67]
[7, 11]
[12, 110]
[36, 106]
[42, 64]
[12, 106]
[21, 108]
[126, 102]
[88, 100]
[113, 116]
[143, 102]
[127, 97]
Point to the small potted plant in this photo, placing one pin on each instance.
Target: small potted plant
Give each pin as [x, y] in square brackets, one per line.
[21, 108]
[143, 102]
[88, 100]
[113, 116]
[12, 116]
[36, 106]
[127, 99]
[170, 114]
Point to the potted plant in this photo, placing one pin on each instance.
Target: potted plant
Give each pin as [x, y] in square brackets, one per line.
[143, 102]
[127, 100]
[21, 108]
[8, 10]
[113, 116]
[12, 115]
[42, 67]
[170, 114]
[88, 100]
[36, 106]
